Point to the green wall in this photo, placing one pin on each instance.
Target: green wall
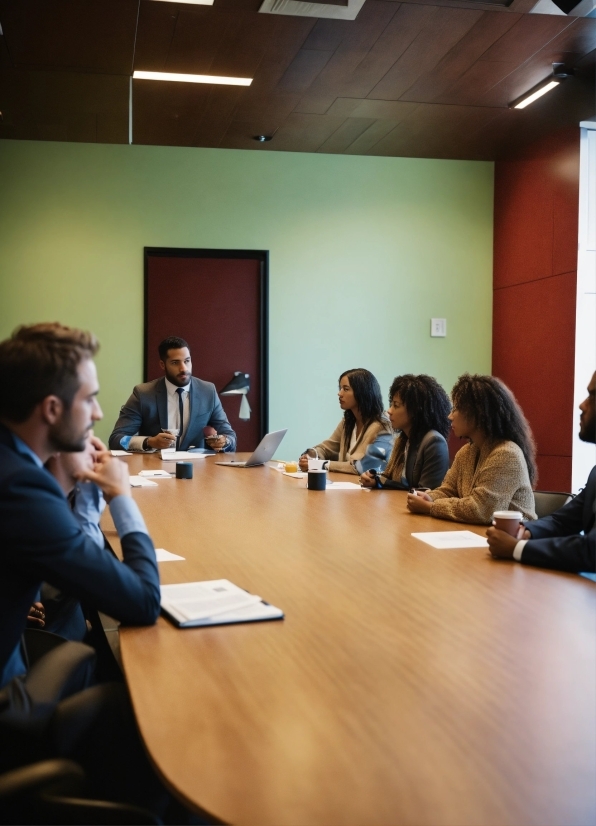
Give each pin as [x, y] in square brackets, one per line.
[363, 251]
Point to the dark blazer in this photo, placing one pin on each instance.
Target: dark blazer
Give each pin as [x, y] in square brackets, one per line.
[431, 463]
[556, 541]
[40, 540]
[146, 414]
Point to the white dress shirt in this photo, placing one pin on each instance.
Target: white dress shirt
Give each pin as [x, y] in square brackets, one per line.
[519, 549]
[136, 442]
[174, 407]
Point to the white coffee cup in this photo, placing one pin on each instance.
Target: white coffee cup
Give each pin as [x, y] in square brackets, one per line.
[507, 521]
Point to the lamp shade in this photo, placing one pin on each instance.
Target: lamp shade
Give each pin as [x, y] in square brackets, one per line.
[239, 386]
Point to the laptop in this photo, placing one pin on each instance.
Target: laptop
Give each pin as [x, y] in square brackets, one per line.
[264, 452]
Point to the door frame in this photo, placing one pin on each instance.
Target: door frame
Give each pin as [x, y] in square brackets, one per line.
[262, 256]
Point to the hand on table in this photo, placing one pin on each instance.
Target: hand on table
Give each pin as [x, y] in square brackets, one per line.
[367, 480]
[162, 440]
[303, 462]
[501, 544]
[111, 477]
[216, 442]
[419, 502]
[36, 616]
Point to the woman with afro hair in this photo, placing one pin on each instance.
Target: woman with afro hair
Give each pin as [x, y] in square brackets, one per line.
[497, 469]
[419, 412]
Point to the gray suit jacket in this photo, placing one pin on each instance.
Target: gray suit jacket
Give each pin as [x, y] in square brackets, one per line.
[146, 414]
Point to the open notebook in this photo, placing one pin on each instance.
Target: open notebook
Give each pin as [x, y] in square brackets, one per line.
[213, 602]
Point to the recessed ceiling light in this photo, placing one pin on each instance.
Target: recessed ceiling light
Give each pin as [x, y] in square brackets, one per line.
[179, 78]
[262, 138]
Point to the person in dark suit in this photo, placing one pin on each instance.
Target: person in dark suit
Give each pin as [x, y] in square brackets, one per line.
[62, 613]
[177, 410]
[565, 540]
[48, 404]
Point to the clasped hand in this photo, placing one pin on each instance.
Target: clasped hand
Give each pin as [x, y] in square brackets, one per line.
[109, 474]
[501, 544]
[419, 502]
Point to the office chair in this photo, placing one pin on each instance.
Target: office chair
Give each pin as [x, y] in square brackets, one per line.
[548, 501]
[51, 792]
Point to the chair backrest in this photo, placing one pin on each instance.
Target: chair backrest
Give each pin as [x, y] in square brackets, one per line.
[548, 501]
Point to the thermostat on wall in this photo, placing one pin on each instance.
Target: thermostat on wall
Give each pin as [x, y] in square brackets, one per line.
[438, 327]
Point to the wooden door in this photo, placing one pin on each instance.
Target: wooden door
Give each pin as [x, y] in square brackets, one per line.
[217, 301]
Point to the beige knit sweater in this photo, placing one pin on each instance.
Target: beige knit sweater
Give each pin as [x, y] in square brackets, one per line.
[483, 481]
[335, 447]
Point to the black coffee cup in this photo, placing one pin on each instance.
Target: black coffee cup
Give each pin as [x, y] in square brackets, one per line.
[183, 470]
[317, 479]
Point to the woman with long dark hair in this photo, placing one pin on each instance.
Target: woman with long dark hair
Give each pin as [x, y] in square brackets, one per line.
[419, 411]
[363, 427]
[497, 469]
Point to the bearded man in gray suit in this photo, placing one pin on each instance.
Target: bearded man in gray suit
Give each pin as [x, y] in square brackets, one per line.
[176, 410]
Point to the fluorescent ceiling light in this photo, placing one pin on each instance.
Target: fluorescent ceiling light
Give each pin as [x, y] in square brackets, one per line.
[191, 2]
[173, 76]
[534, 94]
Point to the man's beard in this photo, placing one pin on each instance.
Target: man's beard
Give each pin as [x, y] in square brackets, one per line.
[178, 382]
[64, 440]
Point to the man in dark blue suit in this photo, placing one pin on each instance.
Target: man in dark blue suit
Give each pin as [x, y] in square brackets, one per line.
[179, 402]
[565, 540]
[48, 404]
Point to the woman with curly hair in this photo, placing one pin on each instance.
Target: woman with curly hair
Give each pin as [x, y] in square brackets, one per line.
[497, 469]
[419, 410]
[364, 425]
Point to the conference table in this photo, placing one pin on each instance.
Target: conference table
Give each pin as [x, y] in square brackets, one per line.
[406, 684]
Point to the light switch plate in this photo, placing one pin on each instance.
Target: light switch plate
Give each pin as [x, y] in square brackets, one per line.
[438, 327]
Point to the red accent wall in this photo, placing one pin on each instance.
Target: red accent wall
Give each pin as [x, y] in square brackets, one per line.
[535, 274]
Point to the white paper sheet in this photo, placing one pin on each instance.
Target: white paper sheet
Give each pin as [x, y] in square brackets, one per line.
[343, 486]
[452, 539]
[165, 556]
[120, 453]
[159, 474]
[201, 600]
[140, 482]
[182, 456]
[297, 475]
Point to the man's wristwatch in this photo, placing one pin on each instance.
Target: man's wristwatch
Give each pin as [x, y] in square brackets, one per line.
[146, 444]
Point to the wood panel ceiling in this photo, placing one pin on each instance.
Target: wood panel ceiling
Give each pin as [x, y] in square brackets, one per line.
[430, 78]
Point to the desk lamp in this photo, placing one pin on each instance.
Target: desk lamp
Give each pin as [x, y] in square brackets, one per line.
[239, 386]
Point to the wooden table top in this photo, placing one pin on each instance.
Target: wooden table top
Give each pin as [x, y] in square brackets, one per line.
[406, 685]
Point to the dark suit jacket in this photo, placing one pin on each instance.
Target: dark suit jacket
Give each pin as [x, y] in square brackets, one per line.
[431, 463]
[556, 541]
[146, 414]
[40, 540]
